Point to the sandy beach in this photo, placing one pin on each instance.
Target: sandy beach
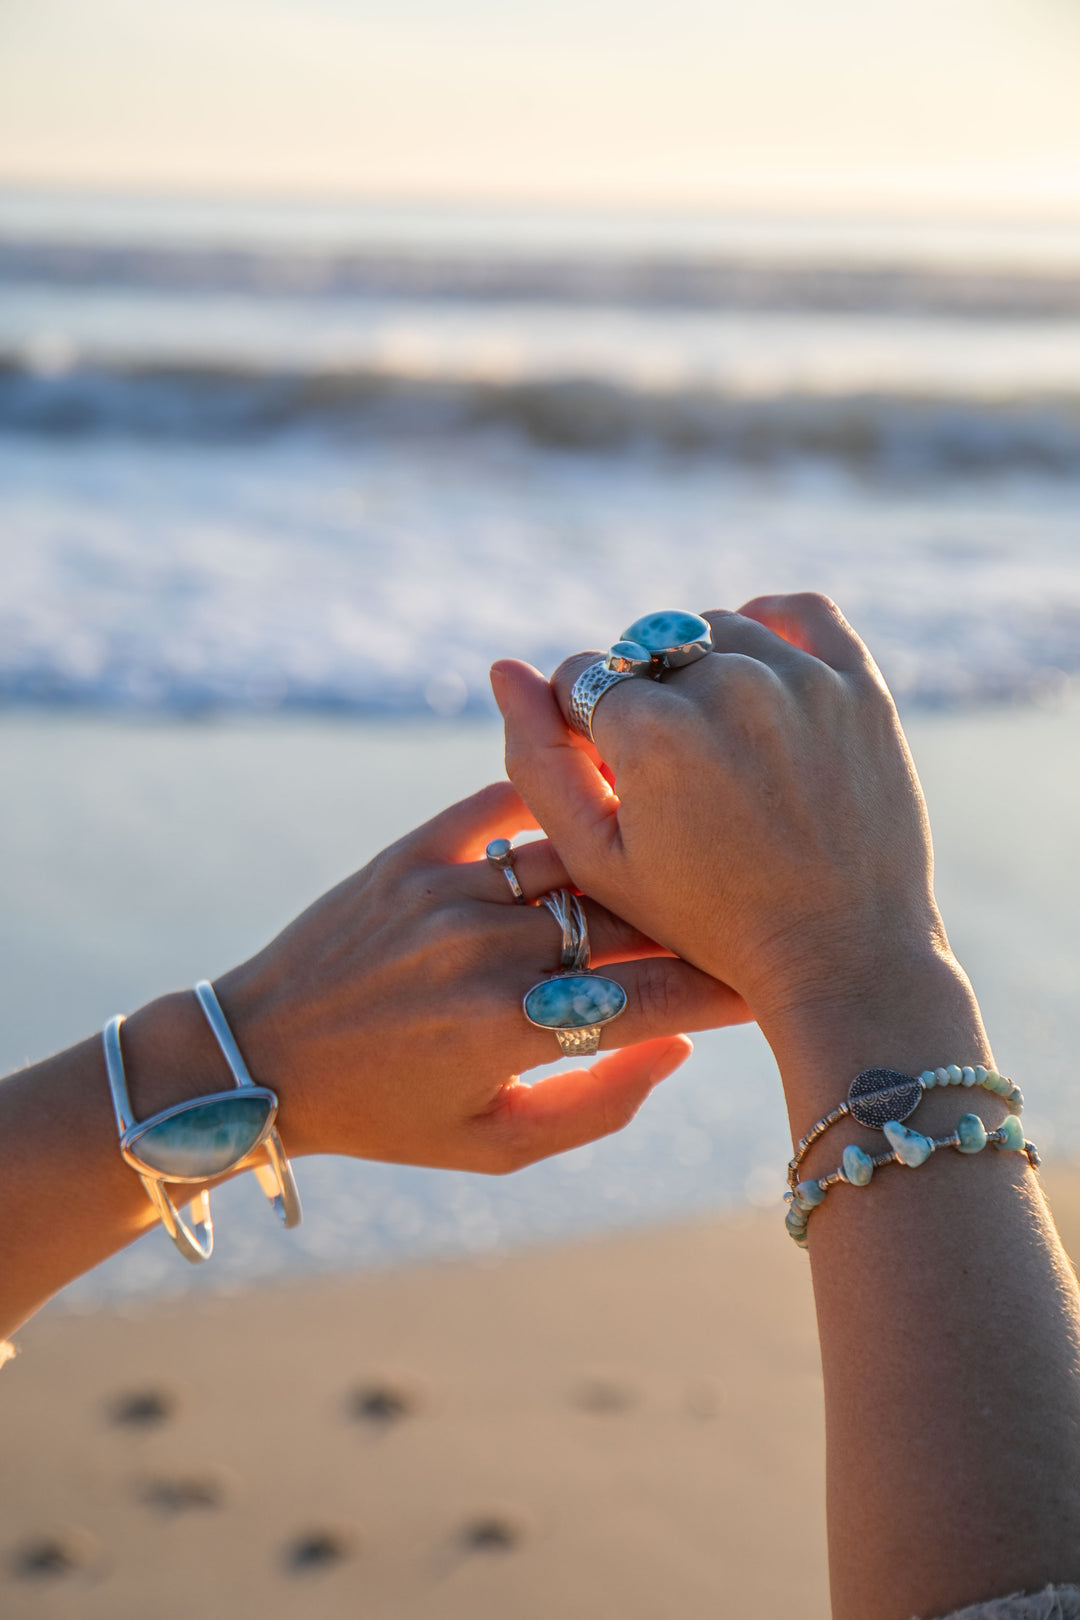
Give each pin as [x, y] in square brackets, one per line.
[626, 1427]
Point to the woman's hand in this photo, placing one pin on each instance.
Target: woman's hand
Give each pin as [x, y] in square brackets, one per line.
[766, 821]
[388, 1017]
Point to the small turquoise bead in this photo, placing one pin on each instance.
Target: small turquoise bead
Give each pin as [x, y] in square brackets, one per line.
[1012, 1135]
[955, 1073]
[997, 1082]
[809, 1194]
[795, 1223]
[857, 1167]
[1015, 1100]
[929, 1079]
[910, 1147]
[972, 1133]
[968, 1076]
[942, 1076]
[980, 1074]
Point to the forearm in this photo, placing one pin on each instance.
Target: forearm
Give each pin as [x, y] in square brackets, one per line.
[67, 1198]
[949, 1325]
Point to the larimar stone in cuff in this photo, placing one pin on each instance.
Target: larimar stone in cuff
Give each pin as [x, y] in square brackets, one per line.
[575, 1007]
[671, 637]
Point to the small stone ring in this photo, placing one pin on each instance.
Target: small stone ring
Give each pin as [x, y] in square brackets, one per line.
[500, 854]
[575, 1007]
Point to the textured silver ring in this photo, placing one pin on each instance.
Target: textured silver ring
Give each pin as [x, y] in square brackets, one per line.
[587, 691]
[500, 855]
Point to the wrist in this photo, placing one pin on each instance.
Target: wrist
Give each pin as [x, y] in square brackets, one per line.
[919, 1012]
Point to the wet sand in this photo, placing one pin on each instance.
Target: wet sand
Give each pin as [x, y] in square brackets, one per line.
[626, 1428]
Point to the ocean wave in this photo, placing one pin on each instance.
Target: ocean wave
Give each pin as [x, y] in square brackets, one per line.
[884, 433]
[641, 280]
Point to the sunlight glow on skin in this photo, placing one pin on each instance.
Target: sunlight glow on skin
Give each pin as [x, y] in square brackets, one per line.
[851, 101]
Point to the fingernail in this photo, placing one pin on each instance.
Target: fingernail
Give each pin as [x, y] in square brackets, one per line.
[674, 1054]
[498, 683]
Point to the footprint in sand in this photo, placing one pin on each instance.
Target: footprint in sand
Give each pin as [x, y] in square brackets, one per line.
[385, 1401]
[72, 1551]
[604, 1395]
[319, 1550]
[499, 1531]
[143, 1408]
[182, 1494]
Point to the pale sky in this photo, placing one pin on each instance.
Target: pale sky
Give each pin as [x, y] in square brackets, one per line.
[942, 105]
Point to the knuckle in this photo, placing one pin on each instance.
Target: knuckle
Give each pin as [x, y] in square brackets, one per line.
[657, 995]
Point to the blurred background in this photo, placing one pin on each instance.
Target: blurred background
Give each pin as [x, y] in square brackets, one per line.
[345, 346]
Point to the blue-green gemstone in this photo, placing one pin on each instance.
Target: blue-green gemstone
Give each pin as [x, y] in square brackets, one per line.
[809, 1194]
[574, 1000]
[1012, 1135]
[910, 1147]
[796, 1222]
[857, 1167]
[206, 1139]
[972, 1133]
[671, 627]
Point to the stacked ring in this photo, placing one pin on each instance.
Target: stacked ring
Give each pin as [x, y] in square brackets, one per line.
[654, 644]
[500, 854]
[566, 908]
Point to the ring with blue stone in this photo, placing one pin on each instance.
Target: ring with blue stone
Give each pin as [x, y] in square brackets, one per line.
[672, 638]
[500, 855]
[575, 1007]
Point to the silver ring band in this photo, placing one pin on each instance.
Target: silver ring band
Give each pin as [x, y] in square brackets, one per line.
[500, 855]
[587, 691]
[566, 908]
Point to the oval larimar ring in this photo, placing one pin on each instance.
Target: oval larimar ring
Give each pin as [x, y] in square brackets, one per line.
[500, 854]
[672, 638]
[575, 1007]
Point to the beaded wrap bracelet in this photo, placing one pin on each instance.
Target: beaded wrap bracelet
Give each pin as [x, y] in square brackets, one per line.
[882, 1099]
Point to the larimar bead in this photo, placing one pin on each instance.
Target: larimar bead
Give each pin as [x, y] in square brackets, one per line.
[910, 1147]
[942, 1076]
[808, 1194]
[968, 1076]
[856, 1166]
[1012, 1135]
[981, 1074]
[972, 1133]
[929, 1079]
[955, 1073]
[1015, 1100]
[796, 1222]
[997, 1082]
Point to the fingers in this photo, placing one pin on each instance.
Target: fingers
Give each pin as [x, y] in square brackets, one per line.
[557, 779]
[529, 1123]
[462, 832]
[816, 625]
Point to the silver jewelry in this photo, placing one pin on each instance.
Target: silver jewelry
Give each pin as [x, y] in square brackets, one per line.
[202, 1138]
[500, 854]
[587, 691]
[566, 908]
[672, 638]
[575, 1007]
[655, 643]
